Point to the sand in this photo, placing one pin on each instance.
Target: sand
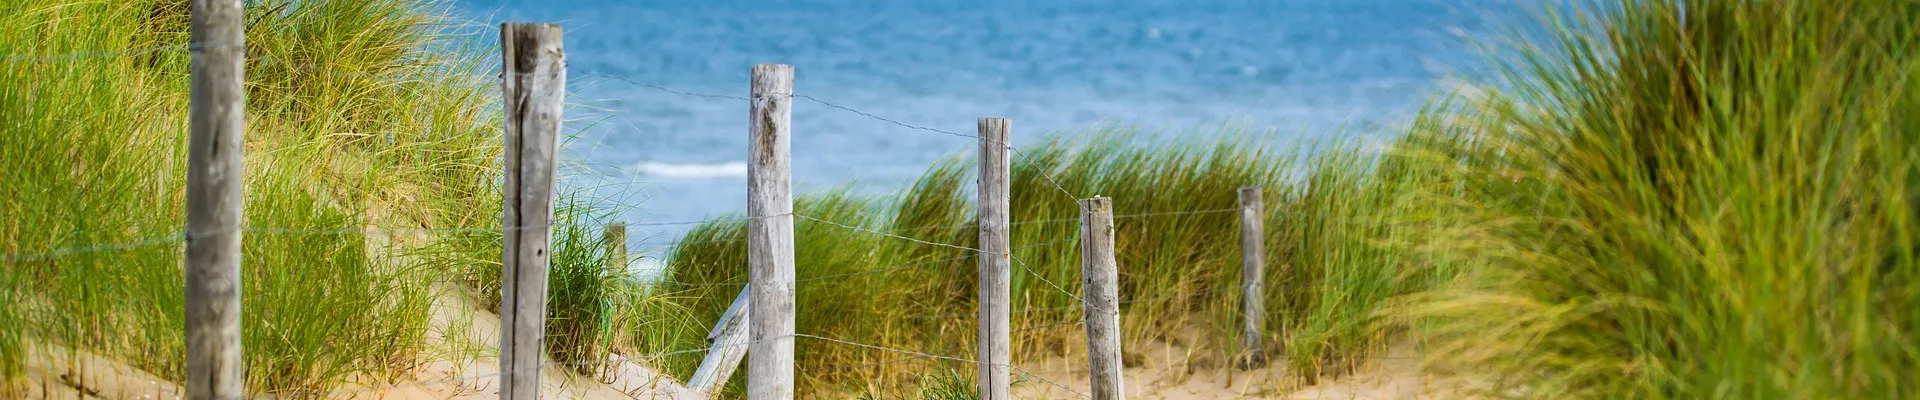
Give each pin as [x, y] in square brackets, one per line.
[57, 372]
[1167, 371]
[463, 364]
[472, 370]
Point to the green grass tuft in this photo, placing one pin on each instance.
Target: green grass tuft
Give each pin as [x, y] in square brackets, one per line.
[589, 294]
[1705, 199]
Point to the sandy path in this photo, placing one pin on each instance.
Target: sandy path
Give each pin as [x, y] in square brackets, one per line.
[462, 356]
[463, 352]
[465, 365]
[1167, 373]
[57, 372]
[468, 366]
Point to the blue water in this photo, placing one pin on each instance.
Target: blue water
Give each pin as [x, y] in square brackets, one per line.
[1286, 68]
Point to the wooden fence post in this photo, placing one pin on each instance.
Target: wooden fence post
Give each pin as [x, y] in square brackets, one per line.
[727, 345]
[770, 234]
[615, 237]
[1100, 272]
[217, 130]
[995, 285]
[1253, 299]
[533, 86]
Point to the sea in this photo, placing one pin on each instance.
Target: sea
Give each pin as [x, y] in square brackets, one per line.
[656, 123]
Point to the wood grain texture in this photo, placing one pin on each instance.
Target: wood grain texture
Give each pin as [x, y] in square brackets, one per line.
[770, 233]
[533, 91]
[727, 346]
[215, 149]
[995, 283]
[1253, 299]
[1100, 273]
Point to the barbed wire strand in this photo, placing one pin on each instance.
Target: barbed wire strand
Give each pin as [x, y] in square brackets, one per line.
[387, 231]
[849, 274]
[1075, 306]
[1010, 256]
[92, 54]
[1172, 213]
[1061, 220]
[1043, 279]
[665, 89]
[1052, 325]
[819, 278]
[885, 234]
[70, 251]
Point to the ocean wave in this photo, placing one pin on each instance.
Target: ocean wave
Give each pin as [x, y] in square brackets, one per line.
[732, 169]
[647, 270]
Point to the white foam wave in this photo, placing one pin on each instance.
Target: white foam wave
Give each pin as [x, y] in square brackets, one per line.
[732, 169]
[646, 269]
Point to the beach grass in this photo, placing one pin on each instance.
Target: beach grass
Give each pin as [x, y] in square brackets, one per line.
[591, 297]
[896, 270]
[1686, 199]
[352, 123]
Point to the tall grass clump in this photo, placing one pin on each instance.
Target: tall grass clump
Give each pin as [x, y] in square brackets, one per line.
[589, 292]
[1331, 270]
[1346, 232]
[352, 123]
[1687, 199]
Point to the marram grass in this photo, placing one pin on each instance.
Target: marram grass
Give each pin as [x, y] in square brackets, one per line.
[1687, 200]
[1177, 245]
[361, 114]
[351, 123]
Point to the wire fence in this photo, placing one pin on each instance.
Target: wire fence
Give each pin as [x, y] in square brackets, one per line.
[906, 234]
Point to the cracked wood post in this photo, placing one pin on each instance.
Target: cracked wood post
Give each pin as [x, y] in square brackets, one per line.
[770, 234]
[533, 87]
[217, 129]
[1253, 299]
[1100, 274]
[995, 285]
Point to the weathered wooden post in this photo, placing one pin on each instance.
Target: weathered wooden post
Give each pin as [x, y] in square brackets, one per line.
[1253, 299]
[533, 86]
[1100, 272]
[770, 233]
[615, 238]
[727, 345]
[217, 129]
[995, 284]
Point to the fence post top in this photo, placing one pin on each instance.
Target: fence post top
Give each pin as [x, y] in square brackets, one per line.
[1249, 194]
[765, 68]
[528, 25]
